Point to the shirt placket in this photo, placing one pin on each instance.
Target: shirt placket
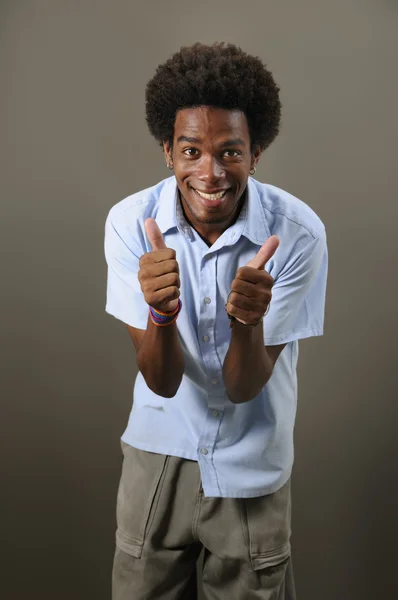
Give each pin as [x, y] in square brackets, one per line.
[214, 382]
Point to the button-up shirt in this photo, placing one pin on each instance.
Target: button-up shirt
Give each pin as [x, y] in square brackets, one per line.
[243, 450]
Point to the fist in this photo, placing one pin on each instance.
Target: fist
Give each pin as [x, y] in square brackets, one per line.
[251, 290]
[159, 274]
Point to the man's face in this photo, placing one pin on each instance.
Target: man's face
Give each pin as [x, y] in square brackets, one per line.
[212, 159]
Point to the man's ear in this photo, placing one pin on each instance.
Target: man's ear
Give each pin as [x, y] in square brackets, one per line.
[168, 153]
[256, 153]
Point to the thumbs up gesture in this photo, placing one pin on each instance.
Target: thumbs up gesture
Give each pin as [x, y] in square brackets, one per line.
[251, 290]
[159, 272]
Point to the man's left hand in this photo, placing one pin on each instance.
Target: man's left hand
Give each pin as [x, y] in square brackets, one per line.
[251, 290]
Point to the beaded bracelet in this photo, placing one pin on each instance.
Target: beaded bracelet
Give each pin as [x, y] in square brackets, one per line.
[162, 319]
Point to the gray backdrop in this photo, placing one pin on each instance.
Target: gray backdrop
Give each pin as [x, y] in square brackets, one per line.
[74, 142]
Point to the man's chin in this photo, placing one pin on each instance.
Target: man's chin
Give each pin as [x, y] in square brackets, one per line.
[211, 220]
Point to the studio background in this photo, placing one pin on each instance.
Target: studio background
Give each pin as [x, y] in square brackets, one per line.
[73, 143]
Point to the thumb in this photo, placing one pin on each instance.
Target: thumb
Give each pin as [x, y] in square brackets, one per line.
[154, 235]
[266, 252]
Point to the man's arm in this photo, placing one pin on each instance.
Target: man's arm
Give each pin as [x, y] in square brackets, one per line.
[159, 354]
[248, 364]
[159, 357]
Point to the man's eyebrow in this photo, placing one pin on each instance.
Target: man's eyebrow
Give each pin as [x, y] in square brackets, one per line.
[226, 144]
[190, 140]
[233, 142]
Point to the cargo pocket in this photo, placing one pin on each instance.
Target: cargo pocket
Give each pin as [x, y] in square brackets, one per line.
[138, 495]
[267, 529]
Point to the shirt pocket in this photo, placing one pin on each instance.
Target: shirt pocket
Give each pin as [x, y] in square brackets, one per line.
[138, 495]
[266, 523]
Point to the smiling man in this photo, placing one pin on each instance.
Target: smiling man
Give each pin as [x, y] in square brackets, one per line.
[217, 277]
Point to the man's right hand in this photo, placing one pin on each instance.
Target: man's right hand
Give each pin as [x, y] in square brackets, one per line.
[159, 272]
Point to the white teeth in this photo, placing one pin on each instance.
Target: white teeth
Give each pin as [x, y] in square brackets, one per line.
[211, 196]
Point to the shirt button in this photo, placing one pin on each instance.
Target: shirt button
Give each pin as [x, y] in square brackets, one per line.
[207, 300]
[214, 413]
[205, 338]
[214, 381]
[204, 451]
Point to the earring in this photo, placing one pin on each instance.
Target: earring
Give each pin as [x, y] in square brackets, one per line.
[252, 170]
[170, 166]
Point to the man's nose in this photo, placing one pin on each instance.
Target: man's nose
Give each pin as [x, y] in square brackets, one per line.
[210, 170]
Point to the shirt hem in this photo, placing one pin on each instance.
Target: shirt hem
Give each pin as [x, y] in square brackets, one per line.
[122, 318]
[254, 493]
[291, 337]
[159, 449]
[208, 490]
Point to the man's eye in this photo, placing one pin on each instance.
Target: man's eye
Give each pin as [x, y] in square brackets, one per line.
[190, 151]
[232, 153]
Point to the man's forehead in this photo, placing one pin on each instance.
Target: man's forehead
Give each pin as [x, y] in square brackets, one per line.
[193, 122]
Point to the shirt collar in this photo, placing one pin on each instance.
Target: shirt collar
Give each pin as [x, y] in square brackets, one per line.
[170, 213]
[251, 222]
[256, 228]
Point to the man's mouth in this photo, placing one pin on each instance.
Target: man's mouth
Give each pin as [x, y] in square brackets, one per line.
[212, 197]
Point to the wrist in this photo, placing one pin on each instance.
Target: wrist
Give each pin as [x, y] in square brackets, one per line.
[235, 321]
[163, 318]
[245, 336]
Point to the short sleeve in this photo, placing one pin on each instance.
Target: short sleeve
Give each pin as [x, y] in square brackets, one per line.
[124, 298]
[298, 296]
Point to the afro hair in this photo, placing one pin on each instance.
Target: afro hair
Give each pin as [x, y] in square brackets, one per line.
[220, 75]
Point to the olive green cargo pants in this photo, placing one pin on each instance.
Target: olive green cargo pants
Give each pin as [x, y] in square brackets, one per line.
[164, 521]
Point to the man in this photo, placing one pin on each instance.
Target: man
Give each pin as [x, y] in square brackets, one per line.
[193, 264]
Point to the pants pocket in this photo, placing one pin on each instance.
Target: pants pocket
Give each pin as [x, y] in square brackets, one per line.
[266, 525]
[138, 495]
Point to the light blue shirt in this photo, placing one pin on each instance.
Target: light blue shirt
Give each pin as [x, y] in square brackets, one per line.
[243, 450]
